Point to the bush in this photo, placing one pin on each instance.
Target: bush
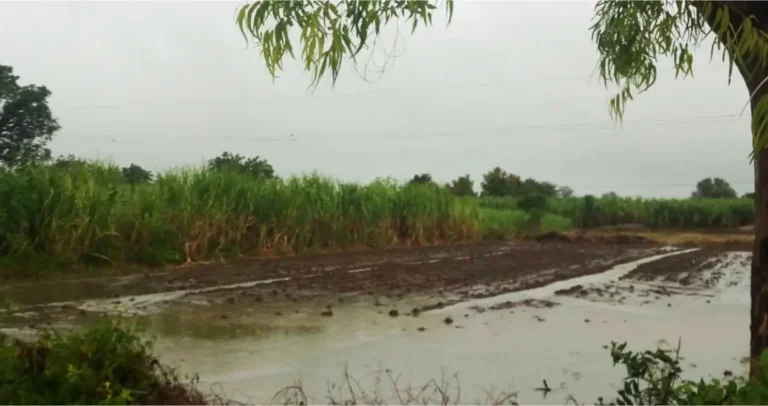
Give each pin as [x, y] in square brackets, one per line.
[106, 364]
[654, 378]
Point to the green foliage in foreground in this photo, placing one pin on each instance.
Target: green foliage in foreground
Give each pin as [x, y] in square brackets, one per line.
[85, 213]
[104, 365]
[653, 377]
[655, 213]
[110, 364]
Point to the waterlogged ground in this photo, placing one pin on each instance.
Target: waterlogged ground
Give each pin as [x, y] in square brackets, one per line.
[480, 321]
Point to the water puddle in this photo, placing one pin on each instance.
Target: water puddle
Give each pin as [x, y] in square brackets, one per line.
[549, 290]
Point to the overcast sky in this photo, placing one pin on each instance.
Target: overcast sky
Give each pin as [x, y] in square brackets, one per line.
[166, 84]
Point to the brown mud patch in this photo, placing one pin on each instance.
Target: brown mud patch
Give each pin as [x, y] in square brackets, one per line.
[439, 276]
[441, 283]
[699, 268]
[692, 274]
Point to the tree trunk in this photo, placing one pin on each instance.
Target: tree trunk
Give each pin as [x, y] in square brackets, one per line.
[754, 75]
[758, 327]
[759, 279]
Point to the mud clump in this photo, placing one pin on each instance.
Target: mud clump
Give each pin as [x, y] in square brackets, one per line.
[448, 320]
[421, 329]
[534, 303]
[438, 305]
[394, 313]
[327, 313]
[415, 312]
[573, 290]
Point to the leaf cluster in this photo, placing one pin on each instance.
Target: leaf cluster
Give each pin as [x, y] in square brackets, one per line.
[330, 30]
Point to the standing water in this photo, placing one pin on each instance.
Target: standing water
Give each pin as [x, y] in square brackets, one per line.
[489, 352]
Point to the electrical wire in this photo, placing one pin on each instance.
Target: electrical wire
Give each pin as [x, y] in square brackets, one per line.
[181, 103]
[473, 132]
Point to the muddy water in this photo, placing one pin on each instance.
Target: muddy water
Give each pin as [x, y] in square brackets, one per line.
[493, 351]
[248, 354]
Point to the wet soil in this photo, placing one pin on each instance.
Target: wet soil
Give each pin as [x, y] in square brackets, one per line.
[687, 269]
[692, 273]
[440, 275]
[442, 282]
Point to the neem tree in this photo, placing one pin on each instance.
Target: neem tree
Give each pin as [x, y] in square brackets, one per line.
[631, 37]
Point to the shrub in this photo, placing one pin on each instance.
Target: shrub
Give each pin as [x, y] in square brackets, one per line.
[654, 378]
[106, 364]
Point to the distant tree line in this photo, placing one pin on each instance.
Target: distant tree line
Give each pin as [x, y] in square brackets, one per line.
[27, 125]
[498, 183]
[134, 174]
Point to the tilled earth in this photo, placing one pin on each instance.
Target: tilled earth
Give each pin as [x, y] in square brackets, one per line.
[443, 275]
[691, 273]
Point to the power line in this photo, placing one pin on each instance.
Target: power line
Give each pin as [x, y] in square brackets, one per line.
[332, 95]
[502, 132]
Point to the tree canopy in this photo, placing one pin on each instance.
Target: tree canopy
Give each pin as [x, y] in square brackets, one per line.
[235, 162]
[135, 174]
[330, 30]
[564, 191]
[714, 188]
[462, 186]
[498, 182]
[423, 178]
[26, 121]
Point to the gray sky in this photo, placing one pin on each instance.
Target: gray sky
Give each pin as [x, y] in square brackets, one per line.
[166, 84]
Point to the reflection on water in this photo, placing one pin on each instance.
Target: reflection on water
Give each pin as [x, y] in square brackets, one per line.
[212, 325]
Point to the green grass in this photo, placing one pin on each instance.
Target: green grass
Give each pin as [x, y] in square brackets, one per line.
[653, 213]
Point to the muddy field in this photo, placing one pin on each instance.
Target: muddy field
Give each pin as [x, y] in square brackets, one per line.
[689, 274]
[443, 274]
[252, 325]
[397, 282]
[438, 276]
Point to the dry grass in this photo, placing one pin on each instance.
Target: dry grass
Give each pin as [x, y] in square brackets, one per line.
[384, 387]
[732, 238]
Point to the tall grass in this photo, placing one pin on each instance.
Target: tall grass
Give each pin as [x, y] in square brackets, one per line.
[87, 214]
[655, 213]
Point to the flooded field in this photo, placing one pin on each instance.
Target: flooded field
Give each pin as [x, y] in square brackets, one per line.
[481, 321]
